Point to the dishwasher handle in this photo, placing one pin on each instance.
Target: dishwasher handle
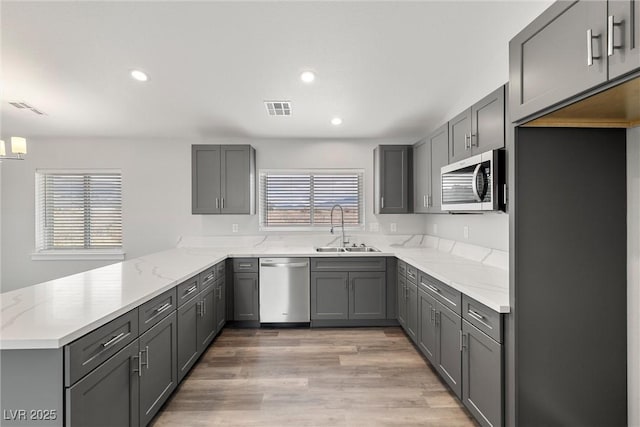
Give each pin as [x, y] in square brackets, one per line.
[285, 264]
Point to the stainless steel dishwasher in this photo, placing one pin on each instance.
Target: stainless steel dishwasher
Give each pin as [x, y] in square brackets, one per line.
[284, 290]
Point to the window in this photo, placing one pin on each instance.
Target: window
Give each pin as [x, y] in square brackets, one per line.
[303, 199]
[79, 212]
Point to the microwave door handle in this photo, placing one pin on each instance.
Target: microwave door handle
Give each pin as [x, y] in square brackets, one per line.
[474, 185]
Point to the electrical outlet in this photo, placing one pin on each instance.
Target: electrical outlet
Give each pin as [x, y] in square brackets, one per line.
[465, 231]
[394, 227]
[435, 229]
[374, 227]
[234, 228]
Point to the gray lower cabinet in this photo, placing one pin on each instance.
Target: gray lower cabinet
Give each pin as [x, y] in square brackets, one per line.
[393, 179]
[411, 325]
[220, 304]
[427, 340]
[402, 300]
[367, 299]
[108, 396]
[188, 348]
[482, 379]
[158, 349]
[448, 347]
[223, 179]
[329, 295]
[206, 323]
[245, 297]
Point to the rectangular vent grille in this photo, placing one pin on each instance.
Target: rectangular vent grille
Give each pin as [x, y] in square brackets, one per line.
[278, 108]
[21, 105]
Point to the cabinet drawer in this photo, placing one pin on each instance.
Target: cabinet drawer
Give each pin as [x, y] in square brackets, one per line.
[412, 274]
[448, 296]
[187, 290]
[482, 317]
[153, 311]
[207, 277]
[402, 268]
[220, 270]
[245, 265]
[349, 264]
[88, 352]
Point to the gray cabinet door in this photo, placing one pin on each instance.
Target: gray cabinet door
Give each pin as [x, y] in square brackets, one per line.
[393, 177]
[206, 325]
[549, 60]
[108, 396]
[487, 122]
[402, 300]
[245, 296]
[625, 56]
[482, 389]
[187, 336]
[412, 311]
[421, 176]
[427, 325]
[221, 312]
[237, 179]
[205, 179]
[367, 299]
[158, 349]
[329, 296]
[449, 356]
[439, 157]
[460, 136]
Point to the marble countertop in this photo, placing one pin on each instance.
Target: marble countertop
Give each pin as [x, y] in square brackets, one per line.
[55, 313]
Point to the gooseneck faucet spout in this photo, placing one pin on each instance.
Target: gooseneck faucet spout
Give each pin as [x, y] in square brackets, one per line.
[344, 240]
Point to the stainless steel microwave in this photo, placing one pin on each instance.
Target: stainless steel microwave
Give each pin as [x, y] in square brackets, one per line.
[475, 183]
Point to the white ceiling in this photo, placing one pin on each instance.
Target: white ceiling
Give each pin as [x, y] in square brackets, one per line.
[389, 69]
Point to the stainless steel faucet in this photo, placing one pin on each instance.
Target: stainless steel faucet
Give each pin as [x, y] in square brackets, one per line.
[344, 238]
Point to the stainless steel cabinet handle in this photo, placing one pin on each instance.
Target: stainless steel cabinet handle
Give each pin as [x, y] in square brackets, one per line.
[424, 201]
[433, 288]
[479, 317]
[146, 357]
[217, 203]
[223, 203]
[467, 144]
[139, 370]
[463, 343]
[429, 201]
[437, 316]
[611, 24]
[471, 136]
[504, 194]
[284, 264]
[590, 38]
[163, 307]
[191, 289]
[113, 340]
[382, 202]
[460, 339]
[200, 310]
[246, 265]
[433, 312]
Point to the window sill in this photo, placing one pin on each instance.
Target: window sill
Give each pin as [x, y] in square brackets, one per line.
[78, 255]
[318, 229]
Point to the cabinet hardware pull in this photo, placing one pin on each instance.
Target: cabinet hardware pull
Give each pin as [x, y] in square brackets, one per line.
[480, 318]
[460, 339]
[191, 289]
[223, 203]
[382, 202]
[139, 370]
[433, 288]
[244, 265]
[113, 339]
[590, 38]
[504, 194]
[611, 23]
[466, 139]
[146, 357]
[433, 312]
[217, 203]
[471, 136]
[437, 318]
[463, 344]
[163, 307]
[429, 201]
[424, 201]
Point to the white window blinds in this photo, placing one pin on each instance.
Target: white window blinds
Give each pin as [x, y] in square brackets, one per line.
[305, 198]
[78, 210]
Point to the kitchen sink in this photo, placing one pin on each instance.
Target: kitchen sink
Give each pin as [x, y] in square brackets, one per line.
[329, 249]
[362, 249]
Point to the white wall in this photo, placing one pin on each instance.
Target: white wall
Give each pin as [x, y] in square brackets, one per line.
[157, 194]
[633, 277]
[490, 229]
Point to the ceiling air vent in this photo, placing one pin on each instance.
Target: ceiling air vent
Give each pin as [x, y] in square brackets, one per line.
[21, 105]
[278, 108]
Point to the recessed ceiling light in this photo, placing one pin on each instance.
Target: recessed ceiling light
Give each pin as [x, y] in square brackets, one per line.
[139, 75]
[336, 121]
[307, 77]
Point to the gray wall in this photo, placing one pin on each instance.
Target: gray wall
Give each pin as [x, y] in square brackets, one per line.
[633, 283]
[157, 194]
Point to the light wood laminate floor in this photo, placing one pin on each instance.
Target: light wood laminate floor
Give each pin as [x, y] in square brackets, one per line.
[312, 377]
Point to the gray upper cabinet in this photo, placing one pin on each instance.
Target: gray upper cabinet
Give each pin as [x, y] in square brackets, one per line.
[482, 384]
[439, 157]
[623, 32]
[393, 178]
[368, 295]
[223, 179]
[460, 136]
[479, 128]
[158, 349]
[421, 176]
[562, 53]
[487, 122]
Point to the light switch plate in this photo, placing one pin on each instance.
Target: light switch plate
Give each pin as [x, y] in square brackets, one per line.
[435, 229]
[234, 228]
[394, 227]
[465, 231]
